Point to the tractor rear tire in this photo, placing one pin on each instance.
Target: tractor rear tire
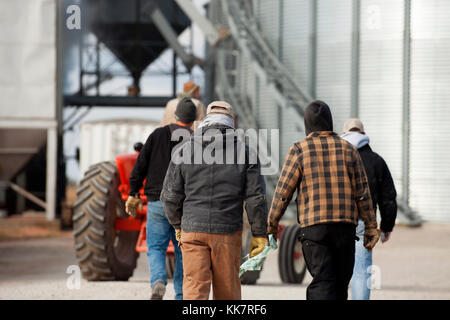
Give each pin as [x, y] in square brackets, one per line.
[103, 253]
[291, 264]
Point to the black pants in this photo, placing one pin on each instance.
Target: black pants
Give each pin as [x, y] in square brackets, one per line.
[329, 251]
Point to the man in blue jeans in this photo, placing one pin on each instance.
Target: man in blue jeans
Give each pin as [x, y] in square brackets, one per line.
[159, 232]
[152, 164]
[382, 191]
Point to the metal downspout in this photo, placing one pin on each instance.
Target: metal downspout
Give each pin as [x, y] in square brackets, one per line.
[412, 217]
[356, 26]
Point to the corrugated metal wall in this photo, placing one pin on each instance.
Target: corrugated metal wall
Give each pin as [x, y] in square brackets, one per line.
[248, 86]
[292, 130]
[430, 111]
[286, 26]
[216, 14]
[267, 113]
[295, 32]
[381, 80]
[268, 15]
[334, 41]
[295, 38]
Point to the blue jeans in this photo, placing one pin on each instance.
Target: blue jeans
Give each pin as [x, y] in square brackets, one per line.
[159, 233]
[361, 279]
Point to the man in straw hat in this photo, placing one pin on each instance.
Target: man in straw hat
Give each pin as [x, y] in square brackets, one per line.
[190, 90]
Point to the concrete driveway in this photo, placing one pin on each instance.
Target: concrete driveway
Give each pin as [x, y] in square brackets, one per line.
[414, 264]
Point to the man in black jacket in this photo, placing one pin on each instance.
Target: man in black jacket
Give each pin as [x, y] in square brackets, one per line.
[383, 194]
[151, 165]
[203, 195]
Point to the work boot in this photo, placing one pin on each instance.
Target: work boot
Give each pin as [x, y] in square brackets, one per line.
[158, 290]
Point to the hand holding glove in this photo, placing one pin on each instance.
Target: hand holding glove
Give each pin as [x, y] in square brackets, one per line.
[132, 204]
[257, 245]
[371, 237]
[178, 235]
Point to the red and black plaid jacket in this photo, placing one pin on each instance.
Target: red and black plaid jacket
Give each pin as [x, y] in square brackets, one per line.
[330, 180]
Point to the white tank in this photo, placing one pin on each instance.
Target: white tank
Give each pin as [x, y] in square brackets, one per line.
[104, 140]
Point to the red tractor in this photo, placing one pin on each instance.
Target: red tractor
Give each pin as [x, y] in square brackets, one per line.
[108, 241]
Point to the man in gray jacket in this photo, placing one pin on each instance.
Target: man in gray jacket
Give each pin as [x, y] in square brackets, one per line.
[203, 199]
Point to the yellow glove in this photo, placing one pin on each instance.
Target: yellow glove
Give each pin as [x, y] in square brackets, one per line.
[132, 204]
[178, 235]
[371, 237]
[257, 245]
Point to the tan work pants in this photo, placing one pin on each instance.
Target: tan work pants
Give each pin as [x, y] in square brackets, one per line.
[207, 258]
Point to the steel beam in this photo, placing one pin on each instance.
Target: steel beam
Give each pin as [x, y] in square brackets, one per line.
[312, 48]
[171, 37]
[116, 101]
[356, 26]
[51, 170]
[211, 34]
[27, 195]
[27, 124]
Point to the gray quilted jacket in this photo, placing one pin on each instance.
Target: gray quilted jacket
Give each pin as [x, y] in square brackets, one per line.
[209, 198]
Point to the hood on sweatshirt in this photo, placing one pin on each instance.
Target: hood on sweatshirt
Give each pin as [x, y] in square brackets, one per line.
[357, 139]
[217, 119]
[318, 117]
[214, 135]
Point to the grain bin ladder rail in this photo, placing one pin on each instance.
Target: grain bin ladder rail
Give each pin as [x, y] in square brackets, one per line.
[245, 31]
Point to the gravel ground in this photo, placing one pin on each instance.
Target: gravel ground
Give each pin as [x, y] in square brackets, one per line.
[414, 264]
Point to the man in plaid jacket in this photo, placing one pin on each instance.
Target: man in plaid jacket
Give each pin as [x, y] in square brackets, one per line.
[332, 193]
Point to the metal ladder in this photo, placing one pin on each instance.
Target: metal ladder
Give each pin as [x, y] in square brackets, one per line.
[244, 29]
